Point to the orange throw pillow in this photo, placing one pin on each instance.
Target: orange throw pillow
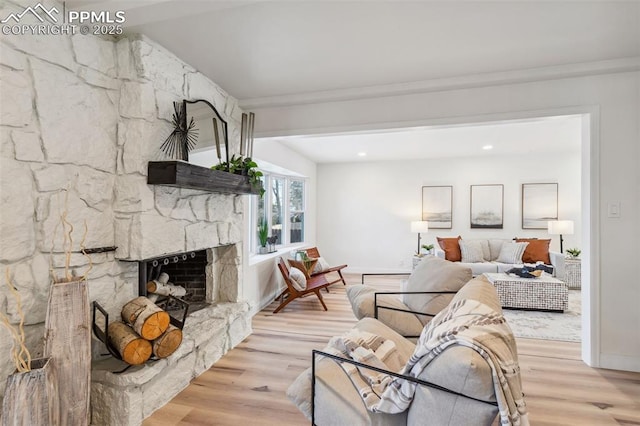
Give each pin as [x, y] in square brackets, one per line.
[536, 251]
[451, 248]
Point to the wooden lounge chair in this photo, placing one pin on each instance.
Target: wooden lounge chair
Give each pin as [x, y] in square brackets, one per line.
[314, 253]
[314, 285]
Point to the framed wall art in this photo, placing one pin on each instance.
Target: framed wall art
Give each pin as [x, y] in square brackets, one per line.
[539, 204]
[487, 206]
[437, 206]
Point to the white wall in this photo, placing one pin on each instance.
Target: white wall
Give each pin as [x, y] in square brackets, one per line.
[262, 281]
[370, 229]
[613, 100]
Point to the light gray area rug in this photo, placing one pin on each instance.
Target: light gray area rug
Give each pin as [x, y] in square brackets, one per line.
[548, 325]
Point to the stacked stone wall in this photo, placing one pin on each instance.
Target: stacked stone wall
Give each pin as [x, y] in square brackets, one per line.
[80, 117]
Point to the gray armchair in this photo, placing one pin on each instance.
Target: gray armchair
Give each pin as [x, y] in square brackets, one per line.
[429, 289]
[456, 388]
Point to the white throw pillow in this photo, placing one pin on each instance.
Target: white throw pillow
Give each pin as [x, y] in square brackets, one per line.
[512, 252]
[495, 245]
[298, 279]
[321, 265]
[471, 251]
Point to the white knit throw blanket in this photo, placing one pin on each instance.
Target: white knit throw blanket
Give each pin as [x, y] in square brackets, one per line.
[466, 323]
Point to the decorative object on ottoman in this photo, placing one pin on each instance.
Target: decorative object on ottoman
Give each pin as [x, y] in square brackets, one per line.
[531, 271]
[524, 272]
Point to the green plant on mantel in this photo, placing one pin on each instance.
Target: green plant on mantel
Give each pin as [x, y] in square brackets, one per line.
[574, 253]
[244, 166]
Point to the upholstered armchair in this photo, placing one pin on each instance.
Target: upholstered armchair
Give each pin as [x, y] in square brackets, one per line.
[429, 289]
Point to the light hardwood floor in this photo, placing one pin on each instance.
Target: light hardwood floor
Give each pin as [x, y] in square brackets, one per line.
[247, 386]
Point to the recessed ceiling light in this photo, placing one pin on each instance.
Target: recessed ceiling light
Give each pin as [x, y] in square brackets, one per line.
[362, 154]
[487, 147]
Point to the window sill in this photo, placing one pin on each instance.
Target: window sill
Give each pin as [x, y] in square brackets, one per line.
[255, 259]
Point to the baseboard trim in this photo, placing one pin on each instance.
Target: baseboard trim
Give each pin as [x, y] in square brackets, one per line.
[620, 362]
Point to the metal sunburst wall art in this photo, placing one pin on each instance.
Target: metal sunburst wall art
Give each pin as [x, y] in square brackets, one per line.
[184, 136]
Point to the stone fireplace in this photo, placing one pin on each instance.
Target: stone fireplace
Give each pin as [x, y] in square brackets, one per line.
[85, 117]
[208, 276]
[194, 236]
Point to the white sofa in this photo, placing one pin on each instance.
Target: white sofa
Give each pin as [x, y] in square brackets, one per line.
[491, 249]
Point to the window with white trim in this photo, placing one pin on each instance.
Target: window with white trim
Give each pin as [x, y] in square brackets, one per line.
[283, 207]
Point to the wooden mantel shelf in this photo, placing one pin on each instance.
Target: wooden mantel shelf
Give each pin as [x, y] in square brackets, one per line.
[184, 175]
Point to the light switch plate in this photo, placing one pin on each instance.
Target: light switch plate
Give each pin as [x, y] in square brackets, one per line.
[613, 209]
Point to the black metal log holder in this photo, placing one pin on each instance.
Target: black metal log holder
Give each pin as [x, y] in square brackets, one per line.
[150, 269]
[103, 334]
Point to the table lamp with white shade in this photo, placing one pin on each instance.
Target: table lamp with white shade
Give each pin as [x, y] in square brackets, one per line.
[560, 227]
[419, 226]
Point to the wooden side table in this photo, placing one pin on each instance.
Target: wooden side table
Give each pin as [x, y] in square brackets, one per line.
[572, 273]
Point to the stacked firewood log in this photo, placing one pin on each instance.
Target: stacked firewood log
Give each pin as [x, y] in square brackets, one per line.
[145, 328]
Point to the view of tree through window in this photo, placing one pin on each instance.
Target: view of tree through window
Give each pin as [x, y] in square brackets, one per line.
[283, 208]
[277, 211]
[261, 212]
[296, 209]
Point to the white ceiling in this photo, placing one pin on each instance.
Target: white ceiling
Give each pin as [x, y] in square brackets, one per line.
[266, 52]
[533, 139]
[257, 49]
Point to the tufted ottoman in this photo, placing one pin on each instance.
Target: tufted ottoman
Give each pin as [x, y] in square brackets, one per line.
[544, 293]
